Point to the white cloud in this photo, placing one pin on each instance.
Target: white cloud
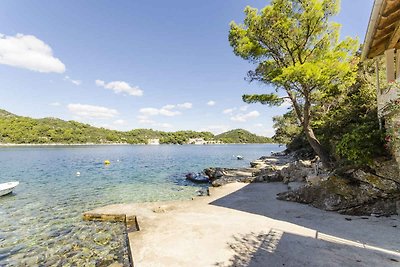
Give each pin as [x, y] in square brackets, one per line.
[167, 110]
[89, 111]
[211, 103]
[216, 129]
[244, 117]
[153, 123]
[164, 125]
[76, 82]
[186, 105]
[149, 111]
[28, 52]
[120, 87]
[168, 107]
[228, 110]
[162, 111]
[55, 104]
[119, 122]
[258, 125]
[146, 121]
[243, 108]
[268, 132]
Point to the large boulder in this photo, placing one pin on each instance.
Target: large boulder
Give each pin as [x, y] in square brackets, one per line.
[222, 176]
[297, 171]
[361, 194]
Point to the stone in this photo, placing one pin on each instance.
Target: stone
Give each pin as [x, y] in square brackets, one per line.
[346, 196]
[295, 185]
[218, 183]
[218, 173]
[398, 207]
[259, 179]
[248, 179]
[115, 264]
[387, 168]
[295, 172]
[274, 177]
[380, 183]
[214, 173]
[313, 179]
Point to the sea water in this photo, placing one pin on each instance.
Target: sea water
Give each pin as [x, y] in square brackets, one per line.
[41, 222]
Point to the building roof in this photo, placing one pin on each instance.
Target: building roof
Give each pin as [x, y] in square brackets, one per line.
[383, 29]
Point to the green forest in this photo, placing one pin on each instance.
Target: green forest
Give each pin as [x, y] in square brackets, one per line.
[24, 130]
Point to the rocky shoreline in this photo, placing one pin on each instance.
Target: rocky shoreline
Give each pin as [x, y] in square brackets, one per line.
[350, 191]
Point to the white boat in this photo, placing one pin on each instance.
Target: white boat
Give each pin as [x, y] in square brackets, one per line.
[239, 157]
[7, 188]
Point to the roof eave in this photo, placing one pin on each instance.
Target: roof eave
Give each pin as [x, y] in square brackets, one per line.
[372, 25]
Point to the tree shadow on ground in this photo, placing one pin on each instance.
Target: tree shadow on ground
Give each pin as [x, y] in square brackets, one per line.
[296, 250]
[277, 248]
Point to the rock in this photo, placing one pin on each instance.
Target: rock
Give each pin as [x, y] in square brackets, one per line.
[295, 185]
[219, 182]
[313, 179]
[346, 196]
[258, 164]
[398, 207]
[102, 238]
[218, 173]
[380, 183]
[304, 164]
[249, 179]
[273, 177]
[203, 192]
[214, 173]
[258, 179]
[387, 168]
[296, 172]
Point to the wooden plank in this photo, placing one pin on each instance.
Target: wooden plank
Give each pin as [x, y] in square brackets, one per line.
[383, 41]
[387, 21]
[390, 7]
[395, 37]
[376, 51]
[390, 65]
[397, 64]
[383, 32]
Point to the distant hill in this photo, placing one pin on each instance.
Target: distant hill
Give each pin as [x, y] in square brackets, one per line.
[5, 113]
[25, 130]
[240, 136]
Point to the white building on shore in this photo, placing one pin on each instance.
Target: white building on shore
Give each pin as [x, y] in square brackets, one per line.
[155, 141]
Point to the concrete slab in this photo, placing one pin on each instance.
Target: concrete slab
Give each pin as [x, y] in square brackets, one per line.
[244, 225]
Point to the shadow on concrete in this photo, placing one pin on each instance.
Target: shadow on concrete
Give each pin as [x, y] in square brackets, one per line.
[337, 239]
[273, 248]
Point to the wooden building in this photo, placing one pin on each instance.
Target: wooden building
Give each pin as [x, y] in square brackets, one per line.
[383, 40]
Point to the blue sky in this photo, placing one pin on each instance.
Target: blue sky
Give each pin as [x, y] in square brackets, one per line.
[123, 65]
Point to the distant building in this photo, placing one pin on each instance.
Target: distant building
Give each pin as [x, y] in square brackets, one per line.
[197, 141]
[153, 141]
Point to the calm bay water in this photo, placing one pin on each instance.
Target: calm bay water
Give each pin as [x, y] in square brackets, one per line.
[40, 223]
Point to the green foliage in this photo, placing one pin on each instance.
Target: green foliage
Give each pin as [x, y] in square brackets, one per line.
[239, 136]
[348, 123]
[363, 143]
[270, 99]
[286, 128]
[296, 48]
[23, 130]
[345, 122]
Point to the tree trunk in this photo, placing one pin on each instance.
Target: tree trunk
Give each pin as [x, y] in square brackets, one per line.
[317, 147]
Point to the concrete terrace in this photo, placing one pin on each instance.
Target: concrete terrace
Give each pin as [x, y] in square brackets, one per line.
[244, 225]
